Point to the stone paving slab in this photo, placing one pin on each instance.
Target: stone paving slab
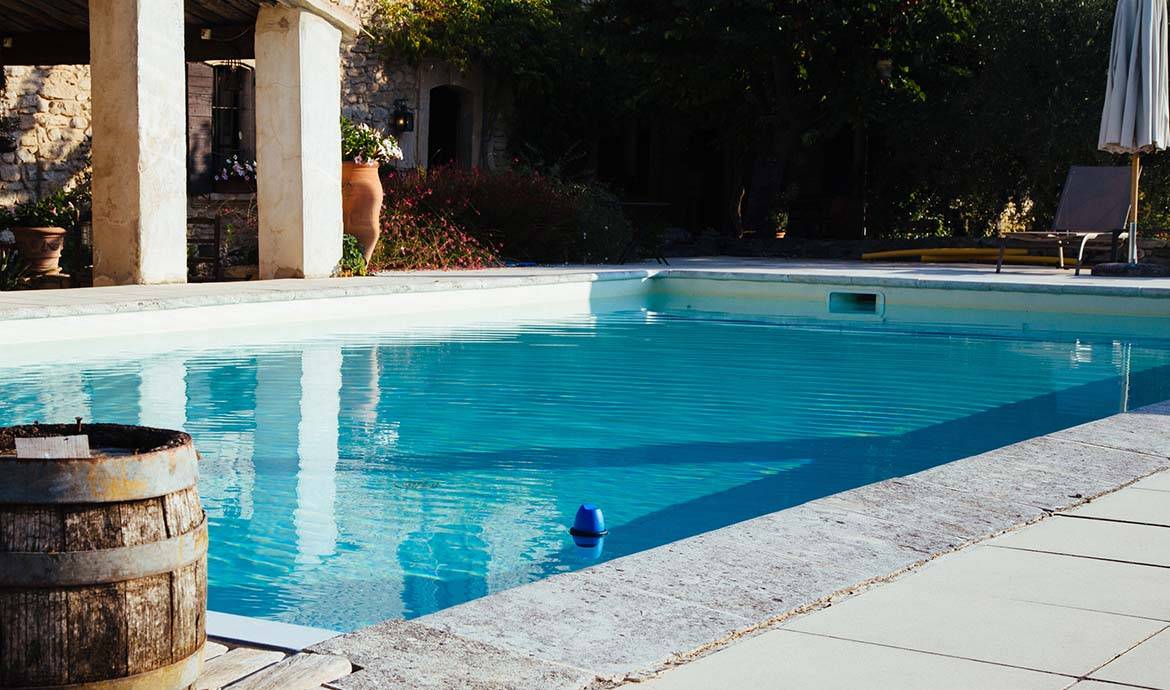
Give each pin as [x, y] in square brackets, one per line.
[1045, 472]
[786, 659]
[1148, 432]
[1015, 633]
[1056, 580]
[590, 620]
[1079, 616]
[1138, 505]
[836, 550]
[962, 515]
[1147, 665]
[1102, 539]
[408, 655]
[1159, 482]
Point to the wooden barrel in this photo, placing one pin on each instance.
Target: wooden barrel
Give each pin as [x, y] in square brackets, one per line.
[103, 562]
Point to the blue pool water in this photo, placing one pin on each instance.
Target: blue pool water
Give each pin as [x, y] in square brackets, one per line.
[354, 478]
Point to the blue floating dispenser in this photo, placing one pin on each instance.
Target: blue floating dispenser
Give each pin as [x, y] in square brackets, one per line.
[589, 522]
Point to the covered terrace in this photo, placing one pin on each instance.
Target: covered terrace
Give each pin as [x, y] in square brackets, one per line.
[137, 51]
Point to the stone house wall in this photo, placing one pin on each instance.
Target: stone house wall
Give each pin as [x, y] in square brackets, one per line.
[52, 109]
[371, 86]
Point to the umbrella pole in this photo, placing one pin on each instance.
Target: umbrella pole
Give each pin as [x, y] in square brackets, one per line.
[1135, 174]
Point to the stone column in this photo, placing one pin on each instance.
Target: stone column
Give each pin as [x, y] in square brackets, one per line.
[139, 141]
[298, 134]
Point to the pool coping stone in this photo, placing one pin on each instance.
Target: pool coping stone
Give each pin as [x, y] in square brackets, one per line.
[40, 304]
[632, 617]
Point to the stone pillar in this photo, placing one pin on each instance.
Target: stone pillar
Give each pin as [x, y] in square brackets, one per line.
[298, 134]
[139, 114]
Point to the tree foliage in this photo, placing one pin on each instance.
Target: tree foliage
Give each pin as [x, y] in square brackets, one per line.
[503, 34]
[957, 108]
[1020, 104]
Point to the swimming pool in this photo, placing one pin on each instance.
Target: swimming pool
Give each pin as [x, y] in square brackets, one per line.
[362, 474]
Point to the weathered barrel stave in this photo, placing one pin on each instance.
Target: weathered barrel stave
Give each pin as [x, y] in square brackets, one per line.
[115, 621]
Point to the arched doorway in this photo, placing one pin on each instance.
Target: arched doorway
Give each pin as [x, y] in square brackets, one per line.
[449, 127]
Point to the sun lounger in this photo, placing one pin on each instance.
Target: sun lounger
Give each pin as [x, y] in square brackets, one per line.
[1094, 204]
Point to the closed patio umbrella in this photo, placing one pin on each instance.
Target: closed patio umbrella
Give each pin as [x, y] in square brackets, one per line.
[1136, 116]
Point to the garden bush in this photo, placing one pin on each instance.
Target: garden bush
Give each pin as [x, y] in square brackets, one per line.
[455, 218]
[353, 262]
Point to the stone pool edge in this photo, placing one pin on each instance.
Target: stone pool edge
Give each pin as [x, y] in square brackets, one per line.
[632, 617]
[132, 299]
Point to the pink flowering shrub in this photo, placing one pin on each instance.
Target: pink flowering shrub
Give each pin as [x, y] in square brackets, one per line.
[455, 218]
[428, 242]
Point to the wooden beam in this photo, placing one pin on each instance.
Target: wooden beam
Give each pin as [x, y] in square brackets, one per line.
[45, 15]
[45, 48]
[226, 43]
[72, 47]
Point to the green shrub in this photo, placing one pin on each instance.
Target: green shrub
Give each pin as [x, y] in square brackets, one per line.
[353, 262]
[61, 209]
[604, 230]
[12, 269]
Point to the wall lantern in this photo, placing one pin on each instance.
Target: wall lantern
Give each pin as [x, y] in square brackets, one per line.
[885, 69]
[402, 119]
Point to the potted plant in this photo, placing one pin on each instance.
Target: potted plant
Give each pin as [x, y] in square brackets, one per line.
[39, 228]
[363, 149]
[235, 177]
[12, 268]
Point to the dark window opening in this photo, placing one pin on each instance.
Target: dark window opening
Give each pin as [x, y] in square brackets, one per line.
[221, 120]
[232, 117]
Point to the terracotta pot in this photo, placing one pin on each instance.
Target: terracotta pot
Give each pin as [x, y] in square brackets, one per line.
[361, 204]
[40, 248]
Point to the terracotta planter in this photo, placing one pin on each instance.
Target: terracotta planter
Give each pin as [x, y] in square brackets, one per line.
[40, 248]
[361, 204]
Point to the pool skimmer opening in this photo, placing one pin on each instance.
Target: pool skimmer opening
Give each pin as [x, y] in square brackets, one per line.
[860, 303]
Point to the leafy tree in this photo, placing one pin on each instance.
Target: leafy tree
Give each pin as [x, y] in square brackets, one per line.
[939, 112]
[500, 33]
[783, 76]
[1021, 104]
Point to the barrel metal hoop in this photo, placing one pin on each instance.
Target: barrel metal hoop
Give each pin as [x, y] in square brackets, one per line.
[103, 566]
[180, 674]
[103, 479]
